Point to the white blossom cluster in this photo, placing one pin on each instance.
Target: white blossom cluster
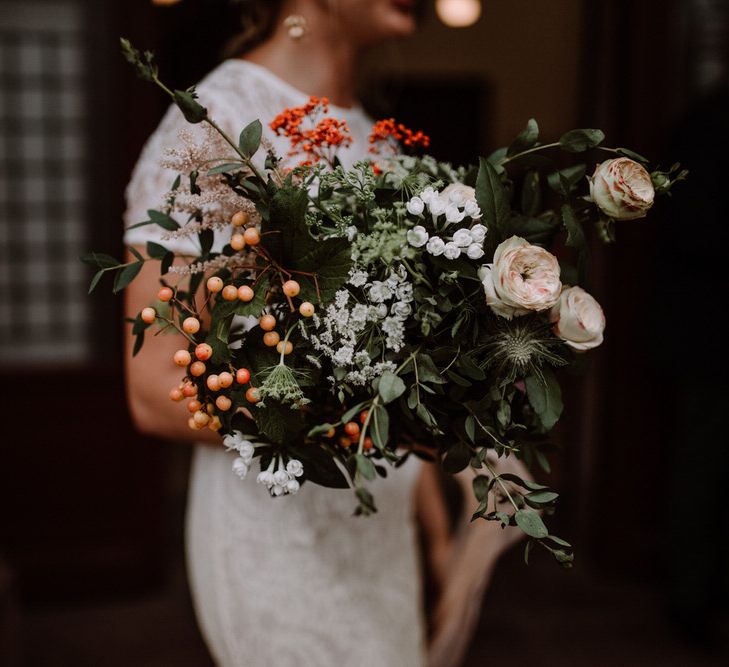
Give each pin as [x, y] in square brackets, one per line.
[236, 442]
[338, 332]
[281, 480]
[456, 202]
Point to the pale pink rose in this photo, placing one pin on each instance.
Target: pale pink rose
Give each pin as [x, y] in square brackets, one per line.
[578, 319]
[622, 189]
[523, 278]
[458, 193]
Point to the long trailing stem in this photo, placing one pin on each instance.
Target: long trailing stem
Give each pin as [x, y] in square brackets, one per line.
[541, 147]
[501, 484]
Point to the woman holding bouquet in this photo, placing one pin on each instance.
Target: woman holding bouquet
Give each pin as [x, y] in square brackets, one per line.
[299, 581]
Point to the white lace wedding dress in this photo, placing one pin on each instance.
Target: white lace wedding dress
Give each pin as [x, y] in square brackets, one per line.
[293, 580]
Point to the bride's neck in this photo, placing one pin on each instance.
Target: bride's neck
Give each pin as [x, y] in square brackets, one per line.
[321, 63]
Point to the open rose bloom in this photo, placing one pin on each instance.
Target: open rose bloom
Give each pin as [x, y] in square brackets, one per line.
[622, 189]
[523, 278]
[578, 319]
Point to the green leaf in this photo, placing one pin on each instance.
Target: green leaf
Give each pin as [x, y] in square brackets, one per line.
[166, 263]
[457, 458]
[545, 397]
[531, 194]
[206, 238]
[279, 423]
[390, 387]
[481, 487]
[100, 259]
[250, 138]
[575, 233]
[626, 152]
[126, 275]
[95, 280]
[155, 250]
[367, 502]
[138, 342]
[136, 253]
[578, 141]
[365, 467]
[542, 497]
[470, 426]
[319, 466]
[427, 370]
[320, 429]
[191, 109]
[163, 220]
[349, 414]
[531, 523]
[492, 199]
[225, 168]
[526, 139]
[380, 426]
[564, 180]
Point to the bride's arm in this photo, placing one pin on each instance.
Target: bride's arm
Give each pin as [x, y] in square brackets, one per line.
[151, 374]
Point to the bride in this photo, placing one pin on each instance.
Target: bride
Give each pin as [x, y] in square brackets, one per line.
[298, 580]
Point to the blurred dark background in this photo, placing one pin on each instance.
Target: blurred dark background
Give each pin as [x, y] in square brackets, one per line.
[91, 559]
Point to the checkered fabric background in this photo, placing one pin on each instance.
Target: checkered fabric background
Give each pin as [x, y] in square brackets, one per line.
[44, 310]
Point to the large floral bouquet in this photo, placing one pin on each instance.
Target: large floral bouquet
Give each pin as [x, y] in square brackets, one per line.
[402, 307]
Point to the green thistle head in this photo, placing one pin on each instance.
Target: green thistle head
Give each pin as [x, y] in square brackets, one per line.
[521, 347]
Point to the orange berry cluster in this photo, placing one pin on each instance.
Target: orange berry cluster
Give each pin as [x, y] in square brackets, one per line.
[384, 130]
[350, 434]
[327, 133]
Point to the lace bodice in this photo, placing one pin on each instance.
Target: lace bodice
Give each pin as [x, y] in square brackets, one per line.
[294, 580]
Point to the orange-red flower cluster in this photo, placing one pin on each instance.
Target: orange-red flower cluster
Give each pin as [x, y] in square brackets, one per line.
[388, 129]
[318, 142]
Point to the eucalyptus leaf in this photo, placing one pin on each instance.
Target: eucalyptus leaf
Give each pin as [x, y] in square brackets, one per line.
[578, 141]
[545, 397]
[390, 387]
[250, 138]
[531, 523]
[526, 139]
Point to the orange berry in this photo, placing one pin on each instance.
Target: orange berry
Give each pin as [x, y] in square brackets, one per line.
[193, 424]
[148, 315]
[201, 418]
[213, 382]
[352, 429]
[190, 390]
[237, 242]
[176, 394]
[306, 309]
[226, 379]
[267, 322]
[330, 433]
[223, 403]
[368, 444]
[291, 288]
[215, 284]
[242, 376]
[182, 357]
[197, 368]
[271, 338]
[239, 219]
[251, 236]
[203, 351]
[194, 405]
[215, 424]
[363, 416]
[345, 441]
[286, 350]
[230, 292]
[165, 294]
[252, 395]
[245, 293]
[191, 325]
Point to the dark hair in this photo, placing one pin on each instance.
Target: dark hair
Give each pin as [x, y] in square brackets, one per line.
[258, 19]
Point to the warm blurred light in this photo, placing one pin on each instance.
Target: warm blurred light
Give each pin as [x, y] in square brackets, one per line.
[458, 13]
[165, 2]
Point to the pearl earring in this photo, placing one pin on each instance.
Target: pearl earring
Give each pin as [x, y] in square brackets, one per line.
[296, 26]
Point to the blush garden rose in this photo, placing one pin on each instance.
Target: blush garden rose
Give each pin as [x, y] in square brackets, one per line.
[578, 319]
[622, 189]
[523, 278]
